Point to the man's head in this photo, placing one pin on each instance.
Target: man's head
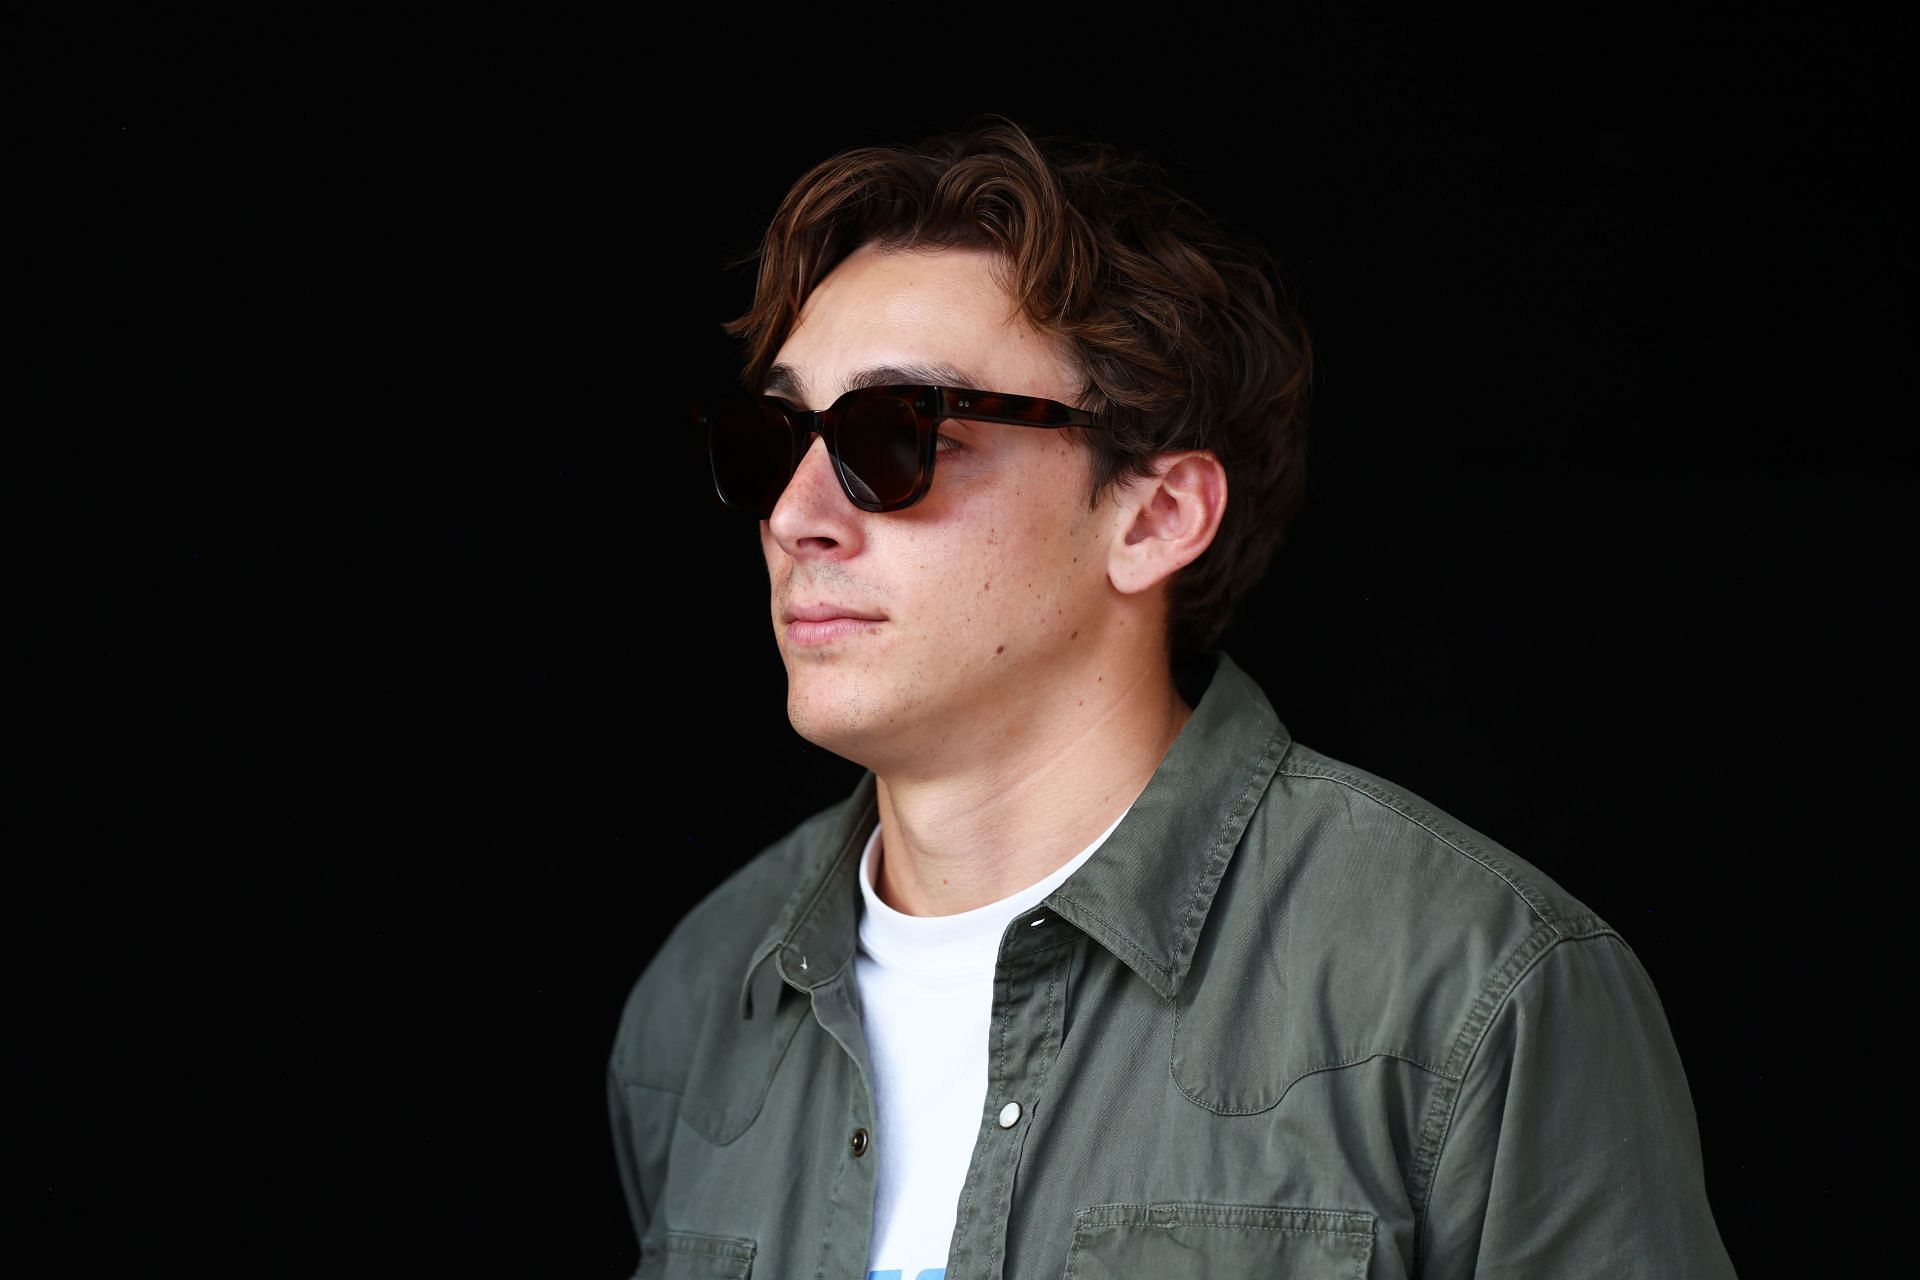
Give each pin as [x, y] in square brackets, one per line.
[1041, 560]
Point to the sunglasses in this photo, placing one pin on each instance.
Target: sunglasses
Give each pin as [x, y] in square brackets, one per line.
[882, 440]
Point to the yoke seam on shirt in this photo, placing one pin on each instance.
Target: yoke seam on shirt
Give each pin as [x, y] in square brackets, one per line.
[1357, 1060]
[1484, 861]
[1498, 989]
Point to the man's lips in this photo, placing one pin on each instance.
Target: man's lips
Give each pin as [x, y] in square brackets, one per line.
[814, 624]
[826, 612]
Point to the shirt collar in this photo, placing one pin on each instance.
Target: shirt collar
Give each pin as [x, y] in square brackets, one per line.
[1144, 895]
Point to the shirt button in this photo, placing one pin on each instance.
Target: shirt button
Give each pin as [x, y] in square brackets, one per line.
[1010, 1115]
[859, 1143]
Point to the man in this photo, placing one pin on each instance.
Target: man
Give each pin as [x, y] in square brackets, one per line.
[1097, 972]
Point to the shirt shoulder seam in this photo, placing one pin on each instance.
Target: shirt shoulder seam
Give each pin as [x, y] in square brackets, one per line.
[1427, 821]
[1499, 987]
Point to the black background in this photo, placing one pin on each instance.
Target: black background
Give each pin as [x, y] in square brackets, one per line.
[423, 689]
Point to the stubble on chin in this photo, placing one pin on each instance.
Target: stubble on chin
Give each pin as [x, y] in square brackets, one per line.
[830, 710]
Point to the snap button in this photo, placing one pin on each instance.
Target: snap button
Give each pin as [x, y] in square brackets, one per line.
[1010, 1115]
[859, 1142]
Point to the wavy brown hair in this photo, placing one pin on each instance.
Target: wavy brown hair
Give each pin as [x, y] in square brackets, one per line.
[1185, 334]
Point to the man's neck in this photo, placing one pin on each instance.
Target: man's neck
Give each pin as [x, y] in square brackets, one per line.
[976, 835]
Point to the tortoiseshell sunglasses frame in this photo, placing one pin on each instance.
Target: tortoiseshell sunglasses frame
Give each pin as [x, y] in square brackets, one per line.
[932, 405]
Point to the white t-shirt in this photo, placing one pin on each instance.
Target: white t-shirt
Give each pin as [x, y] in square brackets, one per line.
[926, 1002]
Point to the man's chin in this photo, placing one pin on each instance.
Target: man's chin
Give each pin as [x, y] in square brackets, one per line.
[841, 717]
[820, 716]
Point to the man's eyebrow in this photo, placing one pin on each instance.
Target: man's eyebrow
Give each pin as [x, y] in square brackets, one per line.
[785, 381]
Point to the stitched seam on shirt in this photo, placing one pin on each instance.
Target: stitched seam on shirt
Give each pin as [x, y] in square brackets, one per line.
[1500, 985]
[1287, 1088]
[1228, 1226]
[834, 1206]
[996, 1071]
[1092, 1219]
[1054, 971]
[790, 911]
[825, 883]
[773, 1069]
[965, 1211]
[1044, 948]
[653, 1088]
[1193, 916]
[1139, 952]
[779, 934]
[700, 1245]
[1018, 1144]
[1208, 882]
[1538, 905]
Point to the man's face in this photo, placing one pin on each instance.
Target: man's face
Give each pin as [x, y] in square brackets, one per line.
[992, 590]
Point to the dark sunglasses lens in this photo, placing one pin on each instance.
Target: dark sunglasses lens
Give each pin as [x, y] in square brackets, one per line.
[752, 455]
[880, 450]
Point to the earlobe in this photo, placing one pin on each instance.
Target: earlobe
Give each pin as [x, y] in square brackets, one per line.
[1169, 519]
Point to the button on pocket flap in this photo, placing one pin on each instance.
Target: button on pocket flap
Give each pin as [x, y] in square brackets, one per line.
[1189, 1241]
[690, 1255]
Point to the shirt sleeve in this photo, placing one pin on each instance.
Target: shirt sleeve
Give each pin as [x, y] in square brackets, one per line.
[1574, 1149]
[642, 1103]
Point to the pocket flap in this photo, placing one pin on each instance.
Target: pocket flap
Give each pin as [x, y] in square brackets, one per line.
[1182, 1241]
[691, 1255]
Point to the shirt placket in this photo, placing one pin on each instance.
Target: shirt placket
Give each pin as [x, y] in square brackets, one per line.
[855, 1162]
[817, 958]
[1023, 1040]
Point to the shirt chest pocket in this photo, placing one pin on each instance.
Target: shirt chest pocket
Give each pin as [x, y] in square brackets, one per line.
[689, 1255]
[1189, 1241]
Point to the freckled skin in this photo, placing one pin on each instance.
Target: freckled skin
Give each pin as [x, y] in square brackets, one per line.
[905, 690]
[1000, 744]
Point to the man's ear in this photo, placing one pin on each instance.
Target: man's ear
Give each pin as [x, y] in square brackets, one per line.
[1166, 519]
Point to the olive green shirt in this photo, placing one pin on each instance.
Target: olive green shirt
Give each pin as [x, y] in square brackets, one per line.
[1289, 1020]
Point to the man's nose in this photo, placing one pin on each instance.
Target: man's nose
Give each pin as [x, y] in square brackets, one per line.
[812, 506]
[814, 478]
